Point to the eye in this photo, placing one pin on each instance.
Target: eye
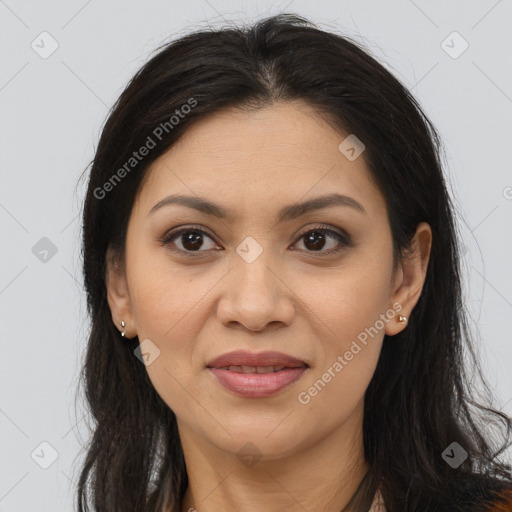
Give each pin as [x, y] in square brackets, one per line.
[315, 239]
[190, 240]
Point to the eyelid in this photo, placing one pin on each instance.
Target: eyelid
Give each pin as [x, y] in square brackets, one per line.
[174, 233]
[343, 238]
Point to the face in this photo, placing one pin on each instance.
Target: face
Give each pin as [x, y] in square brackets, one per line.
[310, 283]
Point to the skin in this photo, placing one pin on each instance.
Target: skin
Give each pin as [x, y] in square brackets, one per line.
[293, 298]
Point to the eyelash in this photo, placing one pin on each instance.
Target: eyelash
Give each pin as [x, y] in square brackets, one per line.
[344, 239]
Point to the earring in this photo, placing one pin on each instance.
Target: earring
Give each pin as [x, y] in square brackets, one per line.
[402, 318]
[122, 325]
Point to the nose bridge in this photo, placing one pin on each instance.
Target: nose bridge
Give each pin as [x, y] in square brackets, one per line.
[253, 269]
[255, 295]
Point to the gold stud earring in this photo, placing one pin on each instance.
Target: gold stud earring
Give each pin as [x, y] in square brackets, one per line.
[122, 325]
[402, 318]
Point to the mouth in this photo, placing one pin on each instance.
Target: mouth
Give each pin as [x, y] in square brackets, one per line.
[256, 375]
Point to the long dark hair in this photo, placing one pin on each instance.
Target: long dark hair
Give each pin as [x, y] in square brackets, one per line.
[419, 400]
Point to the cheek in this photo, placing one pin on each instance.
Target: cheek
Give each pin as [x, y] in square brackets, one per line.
[169, 312]
[349, 355]
[170, 307]
[349, 302]
[350, 317]
[165, 297]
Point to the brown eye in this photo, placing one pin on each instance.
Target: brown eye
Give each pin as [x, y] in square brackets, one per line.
[315, 240]
[190, 239]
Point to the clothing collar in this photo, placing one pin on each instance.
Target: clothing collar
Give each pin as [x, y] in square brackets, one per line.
[378, 503]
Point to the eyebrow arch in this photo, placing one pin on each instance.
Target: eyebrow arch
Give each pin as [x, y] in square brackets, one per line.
[287, 213]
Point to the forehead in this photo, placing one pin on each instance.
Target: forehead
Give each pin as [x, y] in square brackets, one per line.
[260, 159]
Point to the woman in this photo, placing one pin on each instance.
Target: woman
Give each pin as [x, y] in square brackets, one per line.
[272, 274]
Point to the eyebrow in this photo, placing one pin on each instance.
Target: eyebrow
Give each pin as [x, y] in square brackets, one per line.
[285, 214]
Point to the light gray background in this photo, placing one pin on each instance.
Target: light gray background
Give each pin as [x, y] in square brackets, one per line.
[52, 111]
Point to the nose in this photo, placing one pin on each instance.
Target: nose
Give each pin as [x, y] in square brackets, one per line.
[256, 296]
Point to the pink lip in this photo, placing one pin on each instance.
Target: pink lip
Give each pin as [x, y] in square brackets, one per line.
[246, 358]
[257, 384]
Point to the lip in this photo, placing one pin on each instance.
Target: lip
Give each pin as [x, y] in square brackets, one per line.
[256, 385]
[246, 358]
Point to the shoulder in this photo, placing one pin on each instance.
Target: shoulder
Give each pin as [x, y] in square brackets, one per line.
[480, 493]
[503, 502]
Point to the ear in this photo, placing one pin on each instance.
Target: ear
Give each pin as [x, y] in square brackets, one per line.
[411, 276]
[118, 296]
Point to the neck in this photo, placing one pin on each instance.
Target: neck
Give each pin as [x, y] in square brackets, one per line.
[315, 476]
